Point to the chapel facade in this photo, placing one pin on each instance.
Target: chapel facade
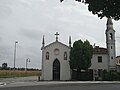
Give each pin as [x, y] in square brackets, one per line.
[55, 60]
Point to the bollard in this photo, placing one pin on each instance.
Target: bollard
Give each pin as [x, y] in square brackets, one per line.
[38, 78]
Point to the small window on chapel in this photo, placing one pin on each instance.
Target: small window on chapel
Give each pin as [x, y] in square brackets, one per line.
[47, 55]
[99, 59]
[65, 55]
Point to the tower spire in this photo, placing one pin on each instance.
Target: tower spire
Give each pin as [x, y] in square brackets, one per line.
[69, 41]
[43, 42]
[109, 23]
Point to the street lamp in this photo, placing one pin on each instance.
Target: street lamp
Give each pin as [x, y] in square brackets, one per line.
[27, 60]
[15, 53]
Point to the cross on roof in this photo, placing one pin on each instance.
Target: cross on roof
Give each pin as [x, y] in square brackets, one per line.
[57, 36]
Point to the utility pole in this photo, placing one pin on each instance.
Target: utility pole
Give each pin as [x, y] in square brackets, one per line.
[27, 60]
[15, 53]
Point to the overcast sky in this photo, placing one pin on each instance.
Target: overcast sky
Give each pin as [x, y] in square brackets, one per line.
[26, 21]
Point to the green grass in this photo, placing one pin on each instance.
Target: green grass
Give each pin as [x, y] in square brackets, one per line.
[17, 73]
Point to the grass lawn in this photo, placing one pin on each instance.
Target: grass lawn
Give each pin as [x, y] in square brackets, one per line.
[17, 73]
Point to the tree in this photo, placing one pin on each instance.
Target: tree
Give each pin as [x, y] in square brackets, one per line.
[103, 8]
[80, 55]
[4, 66]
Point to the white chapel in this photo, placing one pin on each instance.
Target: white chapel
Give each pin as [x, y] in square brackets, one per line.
[55, 60]
[55, 57]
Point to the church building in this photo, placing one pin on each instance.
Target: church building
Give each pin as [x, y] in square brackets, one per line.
[55, 60]
[55, 57]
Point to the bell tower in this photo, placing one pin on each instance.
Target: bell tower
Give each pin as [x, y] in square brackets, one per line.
[110, 42]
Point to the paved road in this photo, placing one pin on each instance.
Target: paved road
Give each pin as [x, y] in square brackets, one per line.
[80, 86]
[31, 83]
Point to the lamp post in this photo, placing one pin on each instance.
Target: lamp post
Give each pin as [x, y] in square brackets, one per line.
[15, 53]
[27, 60]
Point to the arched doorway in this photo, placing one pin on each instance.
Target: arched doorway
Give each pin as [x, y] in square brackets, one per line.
[56, 70]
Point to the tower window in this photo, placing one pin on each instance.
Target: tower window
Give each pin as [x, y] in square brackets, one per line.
[47, 55]
[111, 36]
[100, 59]
[65, 55]
[112, 57]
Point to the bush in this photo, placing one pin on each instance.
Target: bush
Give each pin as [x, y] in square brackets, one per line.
[111, 76]
[115, 76]
[82, 76]
[106, 76]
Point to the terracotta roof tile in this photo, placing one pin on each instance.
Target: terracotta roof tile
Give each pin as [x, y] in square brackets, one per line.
[99, 50]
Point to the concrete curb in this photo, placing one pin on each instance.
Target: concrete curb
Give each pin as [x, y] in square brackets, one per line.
[53, 83]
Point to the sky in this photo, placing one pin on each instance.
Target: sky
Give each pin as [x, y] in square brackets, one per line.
[26, 21]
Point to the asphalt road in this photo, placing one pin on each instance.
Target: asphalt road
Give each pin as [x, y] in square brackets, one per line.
[80, 86]
[31, 83]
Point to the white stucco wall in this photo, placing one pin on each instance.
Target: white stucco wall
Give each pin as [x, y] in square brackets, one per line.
[97, 65]
[47, 73]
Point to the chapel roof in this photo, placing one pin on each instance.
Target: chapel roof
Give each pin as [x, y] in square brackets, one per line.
[55, 43]
[99, 50]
